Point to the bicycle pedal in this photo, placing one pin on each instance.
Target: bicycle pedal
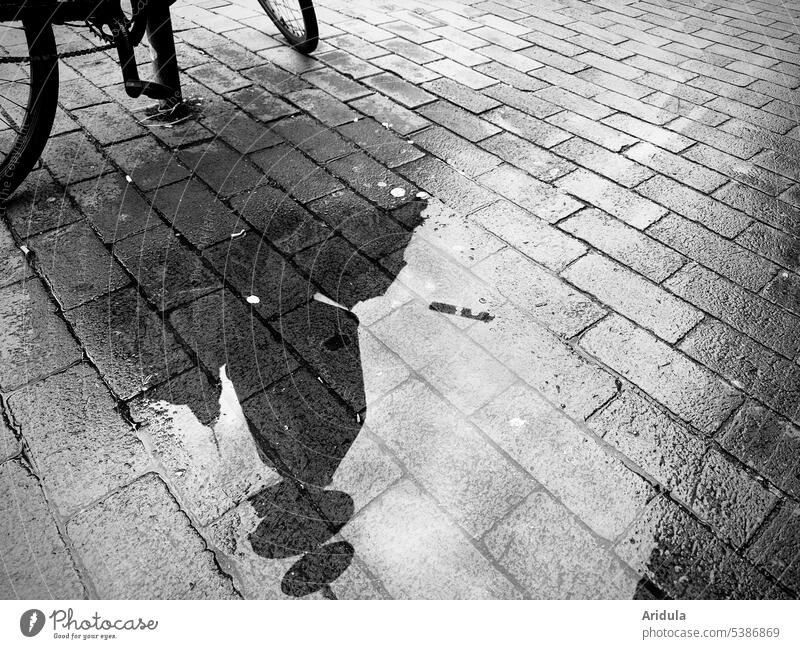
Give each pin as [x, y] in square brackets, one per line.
[148, 89]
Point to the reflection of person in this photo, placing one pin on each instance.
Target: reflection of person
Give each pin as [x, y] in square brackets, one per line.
[306, 424]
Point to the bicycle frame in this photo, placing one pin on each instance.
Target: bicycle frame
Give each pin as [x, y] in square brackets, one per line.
[100, 13]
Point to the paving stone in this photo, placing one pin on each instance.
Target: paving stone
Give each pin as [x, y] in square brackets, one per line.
[662, 447]
[35, 341]
[380, 142]
[373, 232]
[338, 85]
[445, 183]
[760, 206]
[348, 64]
[385, 111]
[299, 421]
[624, 243]
[79, 443]
[223, 168]
[745, 172]
[676, 167]
[322, 106]
[39, 205]
[742, 310]
[216, 79]
[298, 175]
[511, 76]
[167, 272]
[611, 198]
[261, 105]
[130, 358]
[43, 569]
[732, 502]
[150, 556]
[254, 268]
[762, 373]
[642, 130]
[459, 121]
[344, 275]
[456, 151]
[568, 462]
[327, 339]
[372, 180]
[603, 162]
[76, 265]
[222, 331]
[13, 266]
[548, 551]
[146, 163]
[718, 253]
[544, 362]
[695, 206]
[317, 141]
[784, 290]
[108, 123]
[113, 207]
[460, 95]
[777, 546]
[527, 127]
[439, 563]
[529, 234]
[646, 304]
[72, 158]
[548, 299]
[238, 129]
[571, 101]
[716, 138]
[403, 92]
[687, 389]
[536, 161]
[684, 559]
[772, 244]
[434, 435]
[533, 195]
[196, 212]
[766, 442]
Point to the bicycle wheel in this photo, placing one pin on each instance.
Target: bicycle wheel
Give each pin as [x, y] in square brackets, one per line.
[297, 21]
[28, 97]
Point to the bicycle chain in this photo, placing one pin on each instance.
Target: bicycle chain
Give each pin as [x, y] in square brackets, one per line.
[66, 55]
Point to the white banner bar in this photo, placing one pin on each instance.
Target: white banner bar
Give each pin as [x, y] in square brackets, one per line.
[385, 625]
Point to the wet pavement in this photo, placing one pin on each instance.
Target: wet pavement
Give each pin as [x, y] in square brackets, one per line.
[482, 300]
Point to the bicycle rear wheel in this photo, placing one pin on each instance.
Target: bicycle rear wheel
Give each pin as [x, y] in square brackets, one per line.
[296, 20]
[28, 97]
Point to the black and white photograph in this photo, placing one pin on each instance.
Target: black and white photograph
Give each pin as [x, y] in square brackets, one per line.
[424, 300]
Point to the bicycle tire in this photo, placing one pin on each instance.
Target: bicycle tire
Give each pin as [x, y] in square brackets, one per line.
[289, 16]
[40, 110]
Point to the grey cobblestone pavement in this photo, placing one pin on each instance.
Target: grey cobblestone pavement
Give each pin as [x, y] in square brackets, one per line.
[483, 299]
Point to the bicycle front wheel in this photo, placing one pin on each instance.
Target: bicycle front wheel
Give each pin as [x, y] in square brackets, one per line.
[28, 97]
[296, 20]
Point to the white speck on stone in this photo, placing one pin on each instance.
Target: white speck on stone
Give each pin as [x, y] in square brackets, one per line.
[516, 422]
[355, 119]
[52, 199]
[398, 192]
[785, 274]
[25, 250]
[381, 184]
[385, 124]
[253, 299]
[128, 178]
[236, 235]
[423, 195]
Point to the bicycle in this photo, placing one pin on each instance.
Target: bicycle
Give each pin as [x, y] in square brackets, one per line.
[29, 63]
